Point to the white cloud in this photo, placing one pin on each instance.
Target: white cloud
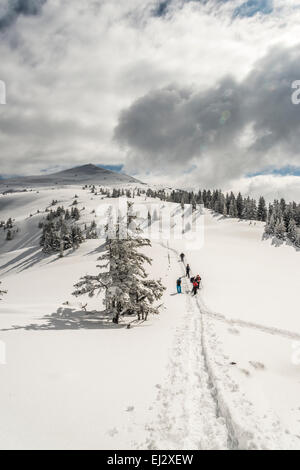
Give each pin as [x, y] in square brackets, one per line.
[71, 70]
[273, 187]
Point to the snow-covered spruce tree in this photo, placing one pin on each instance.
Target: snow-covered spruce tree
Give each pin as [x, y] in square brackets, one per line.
[76, 236]
[125, 281]
[280, 229]
[233, 212]
[293, 232]
[240, 205]
[194, 203]
[91, 232]
[182, 202]
[262, 210]
[270, 225]
[75, 214]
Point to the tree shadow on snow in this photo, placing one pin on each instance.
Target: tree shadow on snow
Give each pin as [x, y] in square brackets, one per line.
[71, 319]
[25, 260]
[219, 216]
[100, 249]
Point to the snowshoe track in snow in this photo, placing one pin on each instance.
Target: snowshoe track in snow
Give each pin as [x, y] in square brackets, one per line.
[244, 324]
[188, 414]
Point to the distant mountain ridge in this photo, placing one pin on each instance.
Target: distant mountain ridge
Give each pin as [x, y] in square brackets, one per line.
[85, 174]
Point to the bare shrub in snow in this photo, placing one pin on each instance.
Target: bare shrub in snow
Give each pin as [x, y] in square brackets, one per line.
[2, 292]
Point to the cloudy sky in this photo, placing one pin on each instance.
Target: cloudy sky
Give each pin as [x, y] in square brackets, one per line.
[188, 92]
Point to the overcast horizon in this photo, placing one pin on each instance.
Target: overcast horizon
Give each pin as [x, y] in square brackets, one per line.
[193, 92]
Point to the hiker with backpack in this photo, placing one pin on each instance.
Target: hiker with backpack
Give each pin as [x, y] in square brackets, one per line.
[188, 270]
[179, 282]
[196, 281]
[195, 287]
[182, 256]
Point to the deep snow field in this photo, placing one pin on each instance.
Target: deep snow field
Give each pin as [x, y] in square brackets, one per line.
[221, 371]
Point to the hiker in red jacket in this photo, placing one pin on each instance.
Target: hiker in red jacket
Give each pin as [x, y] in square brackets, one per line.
[195, 287]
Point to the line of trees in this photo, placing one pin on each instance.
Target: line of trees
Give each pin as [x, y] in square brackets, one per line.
[115, 192]
[128, 289]
[282, 218]
[226, 204]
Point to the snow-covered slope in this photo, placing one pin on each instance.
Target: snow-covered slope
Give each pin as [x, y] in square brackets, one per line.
[219, 371]
[86, 174]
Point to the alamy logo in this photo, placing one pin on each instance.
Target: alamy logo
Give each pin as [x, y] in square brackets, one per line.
[2, 92]
[296, 94]
[2, 353]
[156, 221]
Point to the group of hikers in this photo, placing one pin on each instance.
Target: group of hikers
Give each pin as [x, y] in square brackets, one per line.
[195, 280]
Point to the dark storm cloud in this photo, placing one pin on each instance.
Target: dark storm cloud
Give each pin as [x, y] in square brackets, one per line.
[11, 9]
[177, 127]
[161, 8]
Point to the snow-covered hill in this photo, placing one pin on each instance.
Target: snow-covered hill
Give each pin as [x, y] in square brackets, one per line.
[86, 174]
[219, 371]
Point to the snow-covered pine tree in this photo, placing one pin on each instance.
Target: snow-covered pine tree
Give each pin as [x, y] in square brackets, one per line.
[280, 229]
[262, 210]
[293, 233]
[194, 203]
[76, 236]
[270, 225]
[91, 232]
[182, 202]
[75, 214]
[125, 281]
[63, 237]
[233, 212]
[240, 205]
[224, 211]
[115, 193]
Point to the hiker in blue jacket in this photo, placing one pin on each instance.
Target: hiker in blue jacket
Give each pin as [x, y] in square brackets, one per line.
[179, 286]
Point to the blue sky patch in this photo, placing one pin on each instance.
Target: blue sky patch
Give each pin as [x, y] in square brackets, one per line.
[284, 171]
[117, 168]
[253, 7]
